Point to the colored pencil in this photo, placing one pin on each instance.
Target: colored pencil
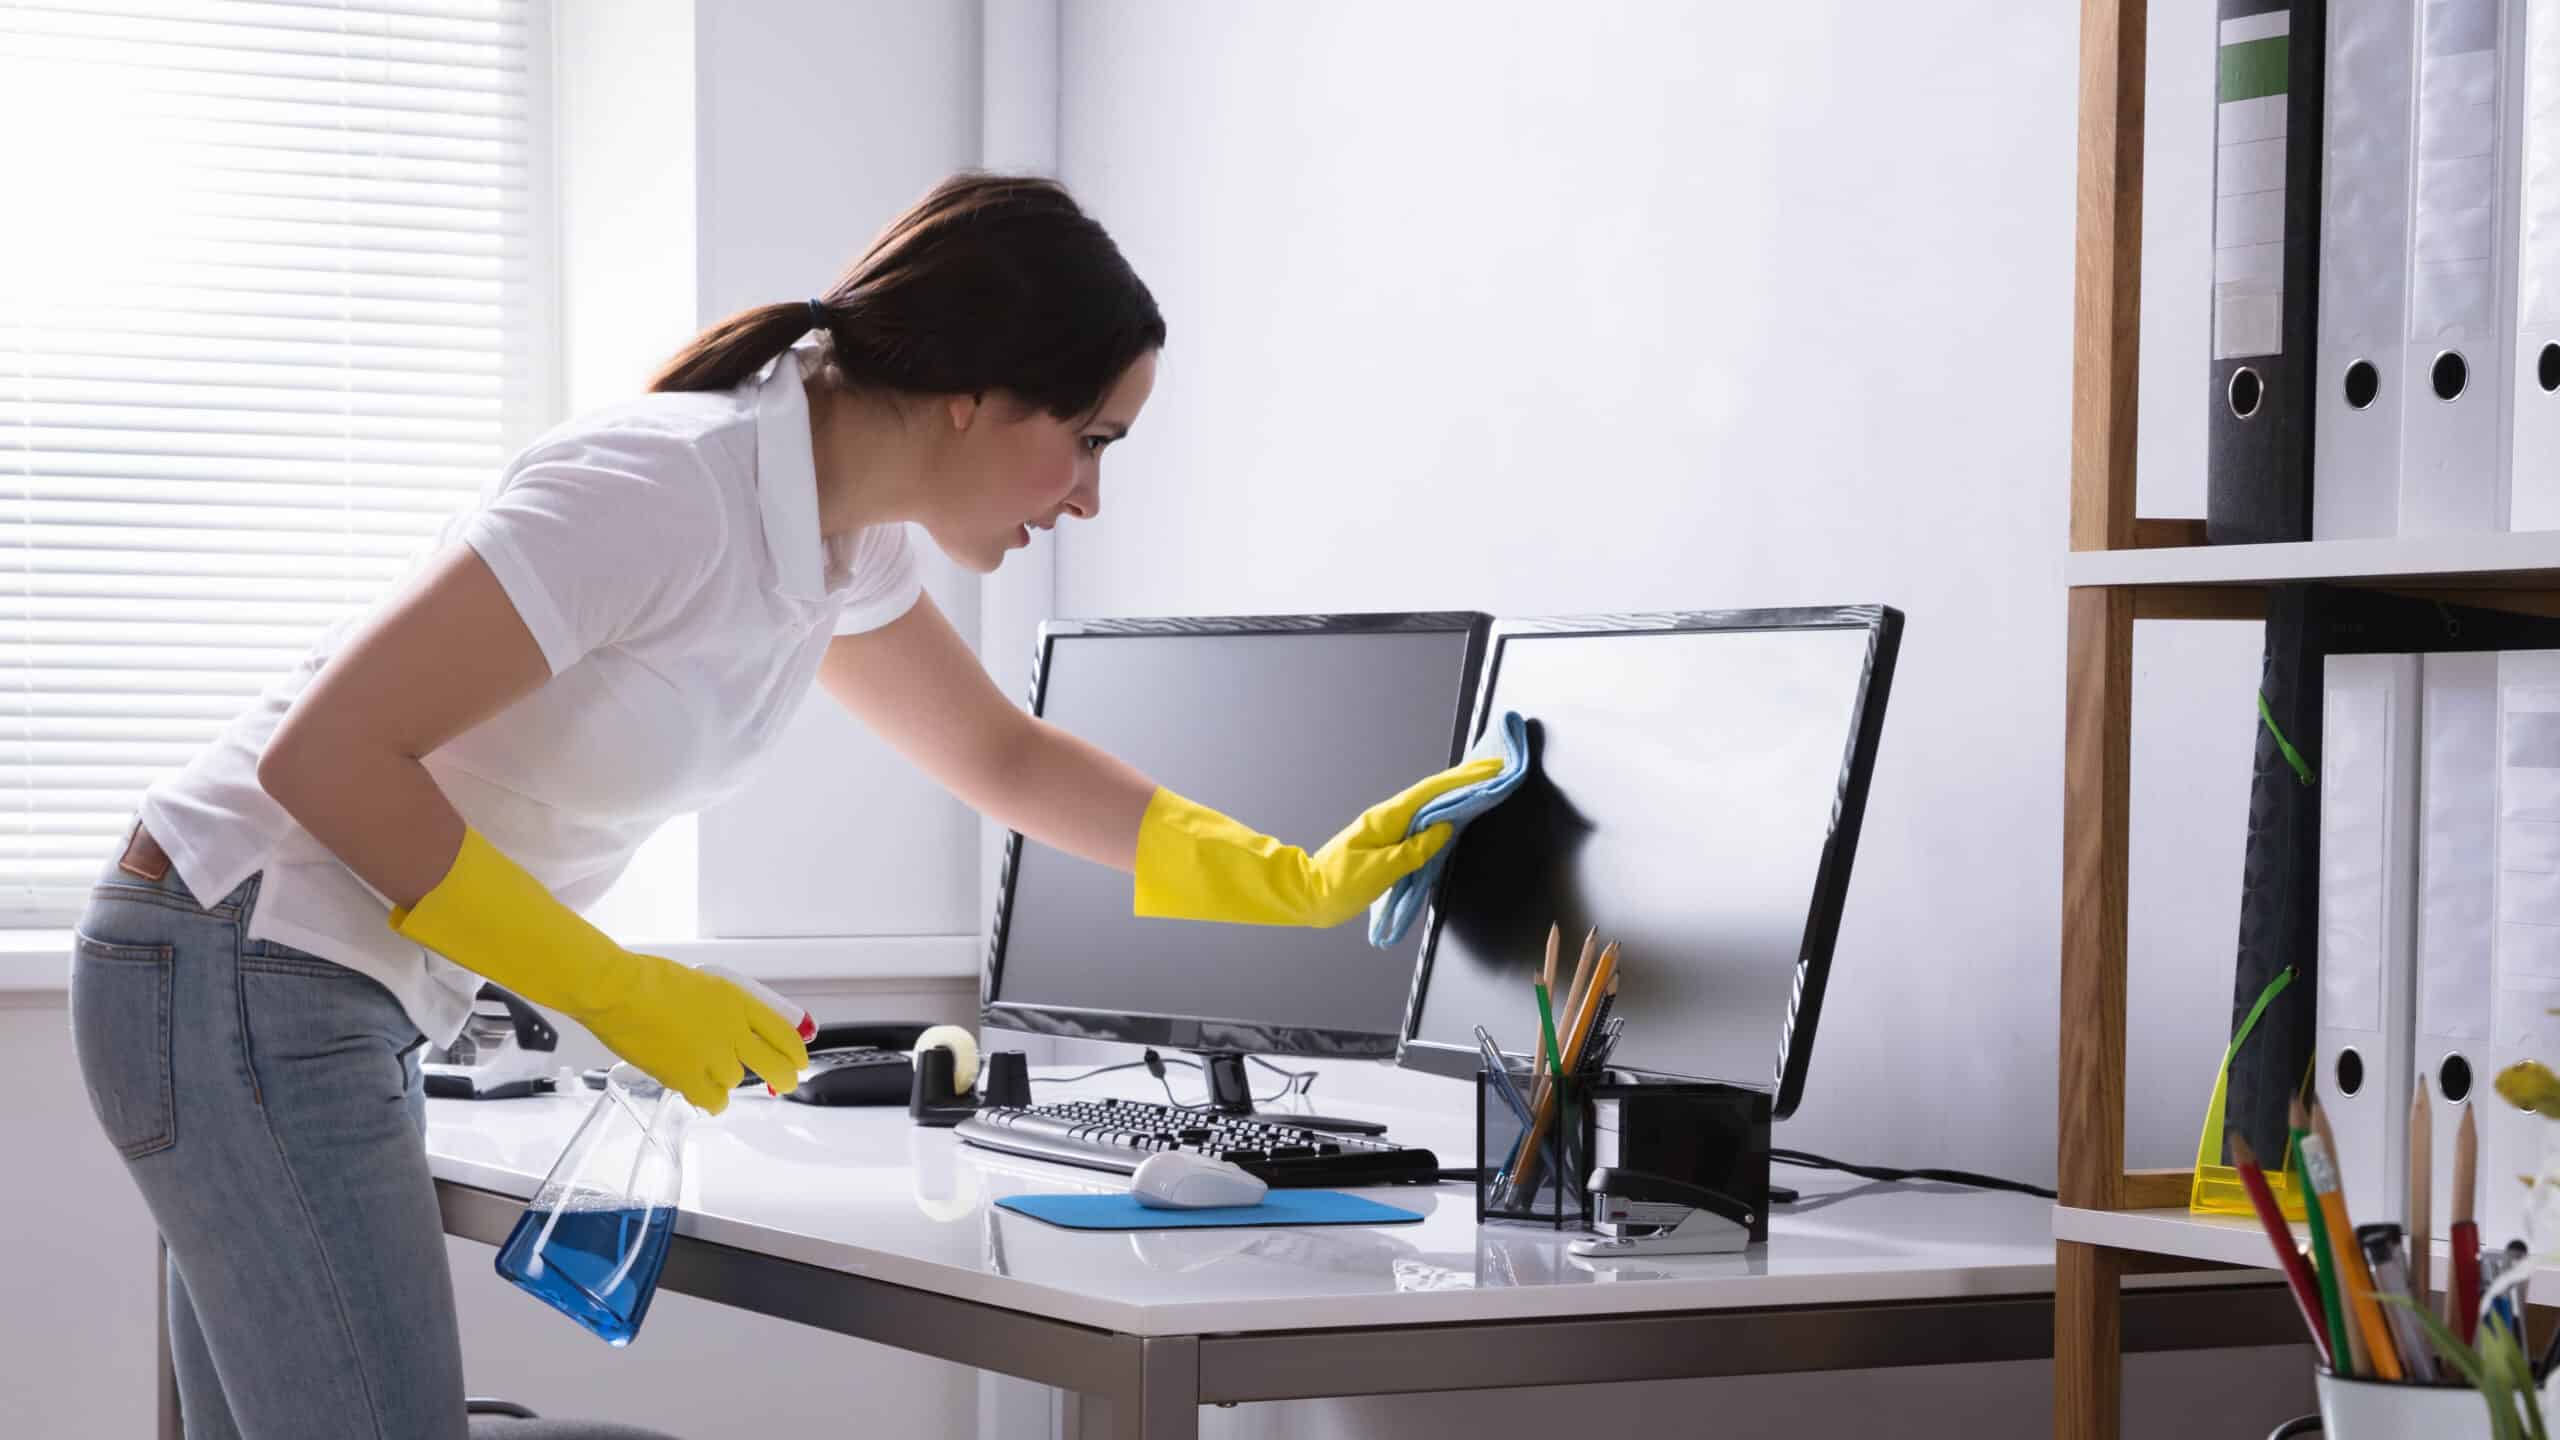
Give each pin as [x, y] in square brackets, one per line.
[2355, 1278]
[2324, 1269]
[2350, 1358]
[2462, 1287]
[2306, 1291]
[1547, 978]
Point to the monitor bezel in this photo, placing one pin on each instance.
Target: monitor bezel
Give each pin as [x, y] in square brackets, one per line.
[1883, 626]
[1199, 1032]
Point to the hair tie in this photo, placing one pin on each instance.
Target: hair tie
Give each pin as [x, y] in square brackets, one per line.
[817, 316]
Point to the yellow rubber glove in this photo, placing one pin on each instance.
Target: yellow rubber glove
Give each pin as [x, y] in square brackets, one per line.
[1196, 864]
[694, 1033]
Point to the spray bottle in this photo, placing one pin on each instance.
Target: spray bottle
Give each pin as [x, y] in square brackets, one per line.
[592, 1242]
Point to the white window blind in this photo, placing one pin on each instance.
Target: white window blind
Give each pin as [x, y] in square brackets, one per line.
[275, 299]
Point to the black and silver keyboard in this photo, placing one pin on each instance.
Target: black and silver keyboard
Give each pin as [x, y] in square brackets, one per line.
[1117, 1134]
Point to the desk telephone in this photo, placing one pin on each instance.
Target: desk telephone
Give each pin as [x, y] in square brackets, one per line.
[850, 1063]
[859, 1063]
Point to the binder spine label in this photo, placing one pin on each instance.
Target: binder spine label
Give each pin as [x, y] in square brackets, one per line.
[2249, 185]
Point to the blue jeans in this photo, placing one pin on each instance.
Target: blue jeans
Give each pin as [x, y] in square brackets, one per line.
[268, 1103]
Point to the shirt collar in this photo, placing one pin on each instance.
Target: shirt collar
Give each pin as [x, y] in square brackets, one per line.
[805, 565]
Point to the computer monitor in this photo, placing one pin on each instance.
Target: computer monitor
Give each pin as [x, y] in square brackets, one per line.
[1293, 725]
[1696, 788]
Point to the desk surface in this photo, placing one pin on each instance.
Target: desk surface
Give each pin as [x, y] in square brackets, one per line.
[863, 1191]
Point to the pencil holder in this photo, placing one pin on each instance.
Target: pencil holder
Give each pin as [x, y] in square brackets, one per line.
[1532, 1170]
[2383, 1410]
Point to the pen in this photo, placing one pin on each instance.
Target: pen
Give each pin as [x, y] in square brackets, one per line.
[1494, 1062]
[2381, 1244]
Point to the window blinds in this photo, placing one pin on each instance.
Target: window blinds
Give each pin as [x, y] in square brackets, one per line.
[275, 299]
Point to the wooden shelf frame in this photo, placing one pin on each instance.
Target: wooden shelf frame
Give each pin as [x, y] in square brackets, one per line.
[2109, 591]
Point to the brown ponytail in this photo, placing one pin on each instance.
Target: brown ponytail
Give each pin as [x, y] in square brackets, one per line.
[990, 282]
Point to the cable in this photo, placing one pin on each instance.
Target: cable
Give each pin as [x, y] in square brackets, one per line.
[1299, 1082]
[1089, 1074]
[1155, 1064]
[1812, 1161]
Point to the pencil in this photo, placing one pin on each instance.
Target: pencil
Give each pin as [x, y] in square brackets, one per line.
[1581, 976]
[2355, 1278]
[2306, 1294]
[2422, 1155]
[2324, 1267]
[2462, 1286]
[1602, 974]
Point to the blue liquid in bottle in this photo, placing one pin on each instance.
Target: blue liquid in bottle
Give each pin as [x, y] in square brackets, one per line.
[575, 1273]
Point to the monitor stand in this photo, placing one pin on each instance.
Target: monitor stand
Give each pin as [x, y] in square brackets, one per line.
[1231, 1093]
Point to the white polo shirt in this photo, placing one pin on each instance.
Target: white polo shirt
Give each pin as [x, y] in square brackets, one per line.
[665, 554]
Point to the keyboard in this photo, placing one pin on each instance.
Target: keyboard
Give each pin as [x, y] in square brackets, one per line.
[1117, 1134]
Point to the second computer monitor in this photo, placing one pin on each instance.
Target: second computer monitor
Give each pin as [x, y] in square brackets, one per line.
[1697, 782]
[1292, 725]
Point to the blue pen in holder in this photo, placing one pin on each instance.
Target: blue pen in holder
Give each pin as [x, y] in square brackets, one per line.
[1531, 1169]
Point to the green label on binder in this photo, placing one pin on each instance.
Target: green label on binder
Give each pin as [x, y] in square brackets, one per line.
[2253, 69]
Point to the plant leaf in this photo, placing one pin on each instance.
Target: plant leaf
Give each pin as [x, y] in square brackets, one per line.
[2450, 1345]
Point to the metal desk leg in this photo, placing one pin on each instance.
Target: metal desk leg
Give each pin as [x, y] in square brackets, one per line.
[1158, 1400]
[169, 1424]
[1168, 1390]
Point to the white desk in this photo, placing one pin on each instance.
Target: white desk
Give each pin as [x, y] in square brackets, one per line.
[857, 1221]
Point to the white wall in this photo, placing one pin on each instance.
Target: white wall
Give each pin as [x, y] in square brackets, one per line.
[1542, 308]
[819, 122]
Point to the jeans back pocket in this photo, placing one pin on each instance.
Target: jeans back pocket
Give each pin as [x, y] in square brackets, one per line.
[120, 1030]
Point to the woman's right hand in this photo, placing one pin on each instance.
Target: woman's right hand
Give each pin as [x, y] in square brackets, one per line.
[695, 1033]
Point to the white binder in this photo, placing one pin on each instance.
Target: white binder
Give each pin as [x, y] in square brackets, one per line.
[2368, 921]
[2533, 242]
[2364, 267]
[2457, 897]
[2457, 360]
[2527, 955]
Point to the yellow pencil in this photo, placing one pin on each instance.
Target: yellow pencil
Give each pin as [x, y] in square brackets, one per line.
[2355, 1278]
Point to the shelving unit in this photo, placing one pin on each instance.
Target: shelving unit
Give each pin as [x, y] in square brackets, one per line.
[2111, 1222]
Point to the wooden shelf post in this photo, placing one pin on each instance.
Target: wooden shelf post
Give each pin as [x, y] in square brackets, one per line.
[2098, 711]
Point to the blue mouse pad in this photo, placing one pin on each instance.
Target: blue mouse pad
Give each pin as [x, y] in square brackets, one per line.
[1280, 1207]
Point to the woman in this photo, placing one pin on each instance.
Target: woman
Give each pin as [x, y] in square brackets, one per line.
[612, 636]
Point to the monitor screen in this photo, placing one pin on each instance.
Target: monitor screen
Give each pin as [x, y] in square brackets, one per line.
[1292, 725]
[1695, 791]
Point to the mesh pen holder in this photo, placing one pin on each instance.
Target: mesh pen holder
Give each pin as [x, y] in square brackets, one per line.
[1533, 1172]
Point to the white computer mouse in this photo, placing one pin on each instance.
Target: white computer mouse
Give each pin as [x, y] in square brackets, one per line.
[1181, 1180]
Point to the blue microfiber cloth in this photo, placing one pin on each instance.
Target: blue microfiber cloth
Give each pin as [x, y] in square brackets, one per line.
[1393, 913]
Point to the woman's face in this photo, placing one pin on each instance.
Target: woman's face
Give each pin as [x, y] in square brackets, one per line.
[1009, 471]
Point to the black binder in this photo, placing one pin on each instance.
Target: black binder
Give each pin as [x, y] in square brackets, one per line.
[2258, 432]
[2280, 868]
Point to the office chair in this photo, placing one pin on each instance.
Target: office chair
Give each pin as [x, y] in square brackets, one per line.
[506, 1420]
